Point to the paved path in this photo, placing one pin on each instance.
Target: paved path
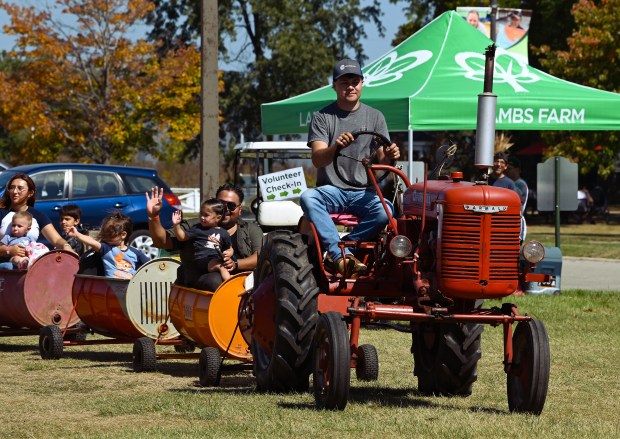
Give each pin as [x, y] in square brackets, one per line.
[590, 274]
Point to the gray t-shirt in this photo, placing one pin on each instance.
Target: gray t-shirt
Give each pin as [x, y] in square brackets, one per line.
[329, 123]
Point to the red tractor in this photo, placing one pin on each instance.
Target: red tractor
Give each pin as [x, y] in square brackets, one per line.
[449, 245]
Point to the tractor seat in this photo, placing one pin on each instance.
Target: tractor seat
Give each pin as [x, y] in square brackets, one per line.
[344, 219]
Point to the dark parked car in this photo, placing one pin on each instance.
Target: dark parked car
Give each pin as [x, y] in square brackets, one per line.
[98, 190]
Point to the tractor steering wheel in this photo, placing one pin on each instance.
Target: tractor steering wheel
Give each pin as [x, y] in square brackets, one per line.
[382, 142]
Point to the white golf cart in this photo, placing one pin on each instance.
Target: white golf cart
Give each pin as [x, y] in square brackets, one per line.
[256, 159]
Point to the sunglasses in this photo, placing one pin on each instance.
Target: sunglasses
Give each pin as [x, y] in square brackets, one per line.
[230, 205]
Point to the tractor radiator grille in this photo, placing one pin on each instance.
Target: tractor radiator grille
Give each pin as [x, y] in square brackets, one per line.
[478, 246]
[154, 302]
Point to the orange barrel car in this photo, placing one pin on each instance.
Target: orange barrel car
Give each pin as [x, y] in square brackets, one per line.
[210, 320]
[40, 296]
[122, 309]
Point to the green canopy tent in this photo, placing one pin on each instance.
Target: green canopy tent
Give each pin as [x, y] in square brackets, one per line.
[432, 80]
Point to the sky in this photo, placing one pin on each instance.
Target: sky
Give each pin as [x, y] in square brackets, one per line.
[375, 47]
[392, 19]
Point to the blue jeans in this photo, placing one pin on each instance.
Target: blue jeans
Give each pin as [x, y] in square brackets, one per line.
[318, 203]
[8, 265]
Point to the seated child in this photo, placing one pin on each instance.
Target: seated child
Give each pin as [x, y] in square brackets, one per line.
[119, 260]
[210, 241]
[20, 225]
[70, 215]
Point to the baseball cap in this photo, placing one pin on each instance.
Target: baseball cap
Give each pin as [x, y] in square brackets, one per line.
[515, 14]
[347, 67]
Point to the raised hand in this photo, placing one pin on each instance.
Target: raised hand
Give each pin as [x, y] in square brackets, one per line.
[154, 202]
[177, 217]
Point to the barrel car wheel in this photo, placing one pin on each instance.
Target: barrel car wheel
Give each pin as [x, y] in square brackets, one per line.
[186, 348]
[50, 342]
[80, 335]
[528, 375]
[367, 367]
[144, 355]
[332, 362]
[209, 365]
[287, 368]
[76, 337]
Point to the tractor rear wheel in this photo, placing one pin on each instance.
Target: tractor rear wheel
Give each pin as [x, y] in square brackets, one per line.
[446, 357]
[332, 362]
[367, 368]
[528, 376]
[285, 257]
[50, 342]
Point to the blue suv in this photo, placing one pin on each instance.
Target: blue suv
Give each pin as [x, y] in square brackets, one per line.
[98, 190]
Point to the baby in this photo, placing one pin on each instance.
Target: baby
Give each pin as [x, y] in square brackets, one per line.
[20, 225]
[211, 242]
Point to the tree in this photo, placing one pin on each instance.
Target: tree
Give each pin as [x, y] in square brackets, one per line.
[289, 46]
[551, 20]
[552, 23]
[592, 59]
[90, 92]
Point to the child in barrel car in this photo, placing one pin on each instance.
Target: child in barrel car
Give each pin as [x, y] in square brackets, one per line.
[211, 242]
[119, 259]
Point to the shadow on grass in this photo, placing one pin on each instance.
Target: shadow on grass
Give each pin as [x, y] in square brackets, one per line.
[179, 369]
[401, 398]
[383, 396]
[6, 347]
[71, 352]
[190, 367]
[489, 410]
[229, 384]
[124, 360]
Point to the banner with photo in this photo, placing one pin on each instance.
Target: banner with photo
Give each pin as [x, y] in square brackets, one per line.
[511, 26]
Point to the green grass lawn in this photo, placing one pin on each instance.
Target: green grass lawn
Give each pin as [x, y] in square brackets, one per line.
[92, 392]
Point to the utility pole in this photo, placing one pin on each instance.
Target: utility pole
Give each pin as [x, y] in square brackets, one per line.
[493, 20]
[209, 124]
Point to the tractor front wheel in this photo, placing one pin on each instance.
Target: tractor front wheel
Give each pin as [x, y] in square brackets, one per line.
[332, 359]
[288, 366]
[528, 375]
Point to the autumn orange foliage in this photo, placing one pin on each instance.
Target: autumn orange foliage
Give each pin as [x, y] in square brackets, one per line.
[91, 92]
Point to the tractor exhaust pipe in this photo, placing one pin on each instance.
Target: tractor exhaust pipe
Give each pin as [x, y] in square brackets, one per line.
[485, 124]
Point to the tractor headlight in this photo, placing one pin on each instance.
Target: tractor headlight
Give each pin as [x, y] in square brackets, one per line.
[533, 252]
[400, 246]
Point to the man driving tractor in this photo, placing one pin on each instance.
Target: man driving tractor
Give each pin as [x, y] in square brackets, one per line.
[331, 130]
